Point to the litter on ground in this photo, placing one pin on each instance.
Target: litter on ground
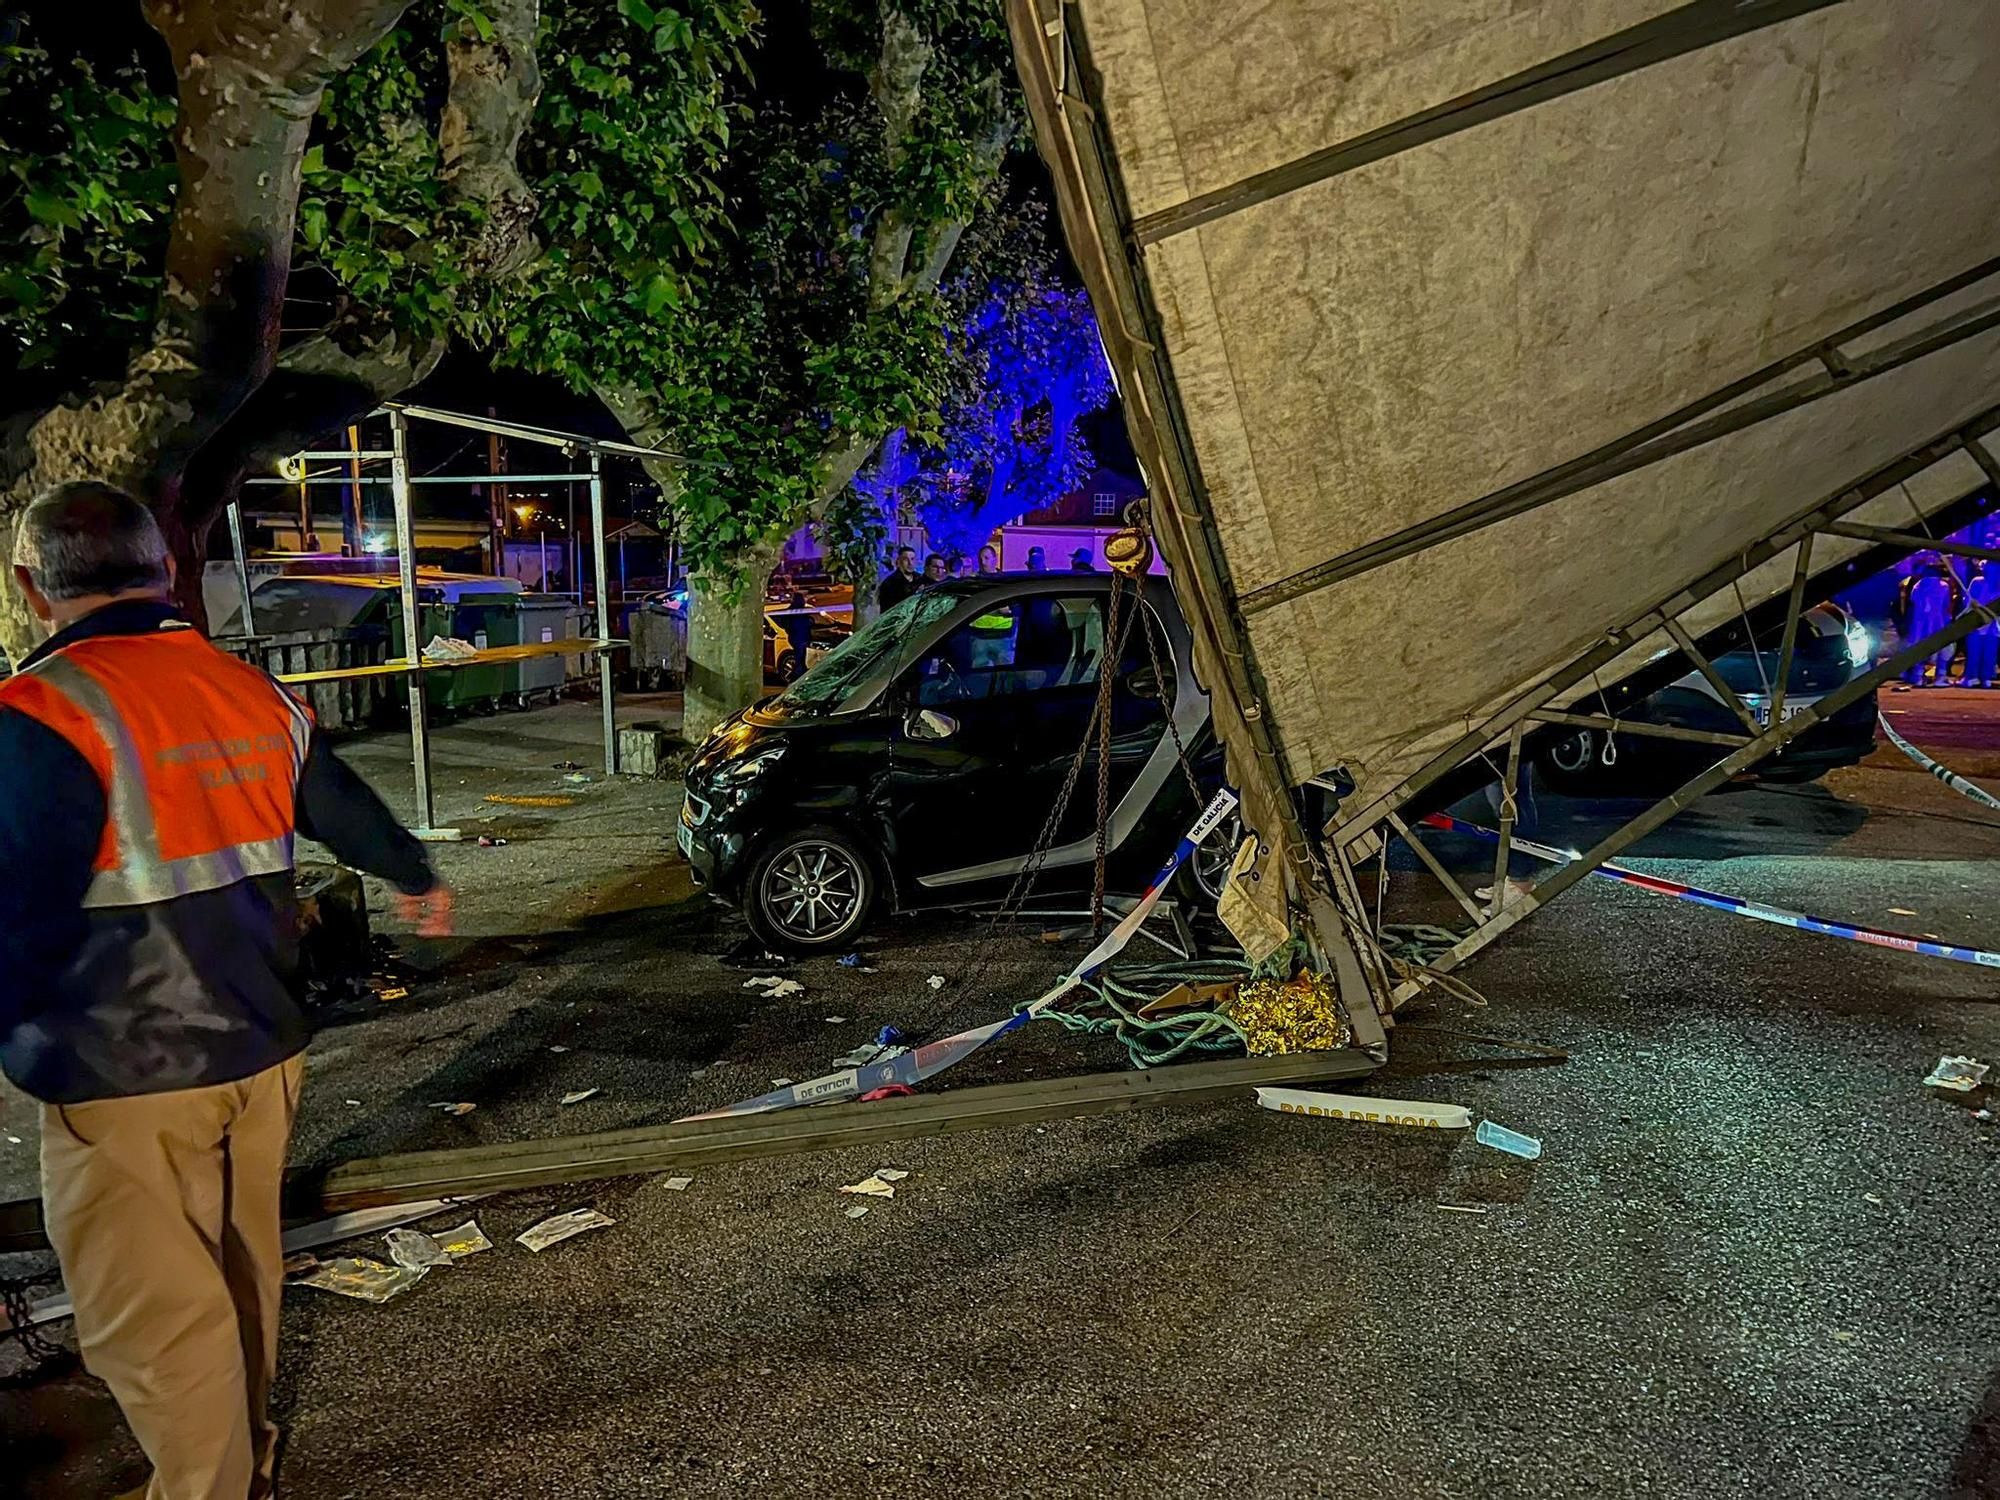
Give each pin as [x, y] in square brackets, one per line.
[563, 1226]
[414, 1250]
[1959, 1074]
[781, 1083]
[1422, 1113]
[871, 1187]
[1901, 911]
[1500, 1138]
[849, 960]
[1462, 1208]
[452, 1109]
[467, 1239]
[891, 1174]
[859, 1211]
[558, 1049]
[355, 1276]
[936, 981]
[396, 992]
[774, 986]
[1870, 1198]
[836, 1020]
[577, 1096]
[678, 1184]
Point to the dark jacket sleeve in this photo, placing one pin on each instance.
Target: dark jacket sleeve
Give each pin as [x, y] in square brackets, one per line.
[51, 822]
[342, 811]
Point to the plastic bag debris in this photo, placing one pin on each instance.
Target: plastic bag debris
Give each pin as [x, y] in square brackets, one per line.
[781, 1083]
[467, 1239]
[448, 648]
[774, 986]
[369, 1280]
[679, 1184]
[859, 1211]
[836, 1020]
[577, 1096]
[452, 1109]
[414, 1250]
[936, 981]
[1959, 1074]
[577, 778]
[1500, 1138]
[871, 1187]
[562, 1227]
[849, 960]
[891, 1174]
[1423, 1113]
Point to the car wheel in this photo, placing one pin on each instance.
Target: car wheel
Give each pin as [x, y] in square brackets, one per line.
[810, 890]
[1207, 869]
[1570, 764]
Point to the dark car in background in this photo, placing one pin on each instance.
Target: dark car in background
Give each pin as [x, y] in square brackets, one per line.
[1832, 648]
[918, 763]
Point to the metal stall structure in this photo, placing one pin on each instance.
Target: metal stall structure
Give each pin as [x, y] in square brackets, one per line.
[1491, 363]
[413, 667]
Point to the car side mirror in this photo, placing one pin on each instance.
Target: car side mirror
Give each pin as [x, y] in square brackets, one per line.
[929, 724]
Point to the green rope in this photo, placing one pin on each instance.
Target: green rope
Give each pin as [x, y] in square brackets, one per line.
[1416, 942]
[1151, 1041]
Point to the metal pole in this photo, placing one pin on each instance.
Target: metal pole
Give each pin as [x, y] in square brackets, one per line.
[1794, 606]
[608, 703]
[406, 566]
[1511, 779]
[242, 564]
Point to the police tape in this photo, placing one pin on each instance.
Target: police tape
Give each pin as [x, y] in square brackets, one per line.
[909, 1068]
[1950, 778]
[1755, 910]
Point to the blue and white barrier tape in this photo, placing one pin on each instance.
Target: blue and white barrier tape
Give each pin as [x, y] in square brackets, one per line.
[1951, 779]
[1755, 910]
[910, 1068]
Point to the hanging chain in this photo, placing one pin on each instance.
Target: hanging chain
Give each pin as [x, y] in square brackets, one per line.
[1107, 672]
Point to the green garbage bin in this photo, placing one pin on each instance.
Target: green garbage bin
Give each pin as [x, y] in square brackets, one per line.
[452, 690]
[484, 620]
[537, 619]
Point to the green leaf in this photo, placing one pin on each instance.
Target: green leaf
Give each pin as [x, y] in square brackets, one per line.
[639, 13]
[313, 162]
[45, 207]
[660, 293]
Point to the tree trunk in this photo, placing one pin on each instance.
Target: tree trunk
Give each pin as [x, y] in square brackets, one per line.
[725, 654]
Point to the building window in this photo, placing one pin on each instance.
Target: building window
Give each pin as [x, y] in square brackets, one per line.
[1104, 503]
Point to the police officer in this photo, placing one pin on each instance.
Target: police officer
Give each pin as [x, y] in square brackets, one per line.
[148, 943]
[1982, 647]
[1930, 612]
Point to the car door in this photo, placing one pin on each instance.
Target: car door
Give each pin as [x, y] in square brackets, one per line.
[1010, 695]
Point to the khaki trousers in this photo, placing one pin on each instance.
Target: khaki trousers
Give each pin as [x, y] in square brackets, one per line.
[163, 1209]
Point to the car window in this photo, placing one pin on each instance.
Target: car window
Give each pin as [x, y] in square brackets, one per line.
[865, 653]
[1034, 645]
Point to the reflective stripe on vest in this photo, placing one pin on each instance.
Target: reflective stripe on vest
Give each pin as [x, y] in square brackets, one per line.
[231, 776]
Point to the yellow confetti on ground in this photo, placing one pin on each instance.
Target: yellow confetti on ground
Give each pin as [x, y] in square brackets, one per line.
[1292, 1015]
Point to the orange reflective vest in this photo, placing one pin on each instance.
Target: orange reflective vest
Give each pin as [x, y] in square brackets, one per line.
[199, 755]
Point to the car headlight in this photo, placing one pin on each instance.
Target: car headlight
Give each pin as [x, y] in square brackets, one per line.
[1860, 645]
[732, 774]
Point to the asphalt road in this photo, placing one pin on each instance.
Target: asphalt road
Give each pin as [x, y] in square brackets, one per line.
[1757, 1255]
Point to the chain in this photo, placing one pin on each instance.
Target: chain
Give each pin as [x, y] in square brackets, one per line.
[44, 1356]
[1169, 696]
[1107, 671]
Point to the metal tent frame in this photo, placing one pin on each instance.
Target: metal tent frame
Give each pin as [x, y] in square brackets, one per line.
[413, 666]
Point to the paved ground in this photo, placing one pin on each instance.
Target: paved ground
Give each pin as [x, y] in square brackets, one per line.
[1756, 1257]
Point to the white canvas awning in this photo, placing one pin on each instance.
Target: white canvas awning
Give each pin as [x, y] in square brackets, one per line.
[1459, 335]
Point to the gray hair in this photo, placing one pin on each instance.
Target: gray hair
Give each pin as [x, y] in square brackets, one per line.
[85, 538]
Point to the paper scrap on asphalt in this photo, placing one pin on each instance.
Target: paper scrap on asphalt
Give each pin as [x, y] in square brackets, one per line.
[936, 981]
[836, 1020]
[1421, 1113]
[1959, 1074]
[871, 1187]
[561, 1227]
[414, 1250]
[467, 1239]
[577, 1096]
[774, 986]
[368, 1280]
[860, 1210]
[453, 1109]
[891, 1174]
[679, 1184]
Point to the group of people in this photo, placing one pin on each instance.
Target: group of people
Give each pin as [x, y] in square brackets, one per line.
[1932, 598]
[904, 580]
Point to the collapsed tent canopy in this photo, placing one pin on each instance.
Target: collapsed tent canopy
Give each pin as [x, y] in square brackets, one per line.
[1481, 331]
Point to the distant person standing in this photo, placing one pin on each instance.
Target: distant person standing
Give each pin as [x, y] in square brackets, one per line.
[901, 582]
[1982, 647]
[1930, 612]
[1038, 560]
[798, 633]
[936, 569]
[989, 560]
[1080, 561]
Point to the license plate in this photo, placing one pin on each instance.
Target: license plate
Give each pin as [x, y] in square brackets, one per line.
[1762, 711]
[686, 841]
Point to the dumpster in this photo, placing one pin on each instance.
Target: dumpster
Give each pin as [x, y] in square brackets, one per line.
[536, 619]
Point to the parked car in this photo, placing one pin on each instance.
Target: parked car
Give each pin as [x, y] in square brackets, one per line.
[918, 763]
[1832, 648]
[829, 629]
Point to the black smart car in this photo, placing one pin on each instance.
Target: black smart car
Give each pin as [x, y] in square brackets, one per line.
[918, 762]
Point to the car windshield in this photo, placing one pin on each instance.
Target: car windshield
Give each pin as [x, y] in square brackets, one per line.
[867, 653]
